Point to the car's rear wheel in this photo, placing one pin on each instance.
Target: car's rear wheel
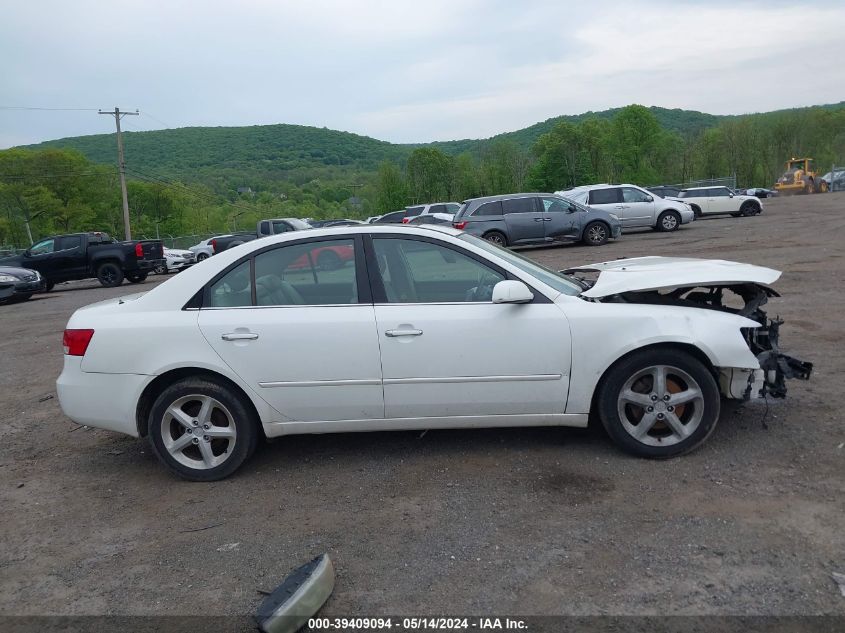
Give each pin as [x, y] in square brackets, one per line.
[202, 256]
[136, 278]
[496, 238]
[160, 269]
[110, 275]
[329, 260]
[668, 221]
[595, 234]
[202, 430]
[659, 403]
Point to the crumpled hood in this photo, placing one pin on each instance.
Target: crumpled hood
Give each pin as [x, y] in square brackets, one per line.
[653, 273]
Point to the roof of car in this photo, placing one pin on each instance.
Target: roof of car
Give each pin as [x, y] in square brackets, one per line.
[708, 187]
[506, 196]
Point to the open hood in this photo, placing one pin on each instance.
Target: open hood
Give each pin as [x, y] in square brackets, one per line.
[652, 273]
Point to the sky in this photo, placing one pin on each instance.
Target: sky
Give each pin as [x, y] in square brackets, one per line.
[404, 71]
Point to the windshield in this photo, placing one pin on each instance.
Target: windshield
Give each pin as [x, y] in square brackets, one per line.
[560, 282]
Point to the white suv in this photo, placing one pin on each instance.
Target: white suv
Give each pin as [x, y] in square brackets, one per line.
[635, 206]
[712, 200]
[428, 209]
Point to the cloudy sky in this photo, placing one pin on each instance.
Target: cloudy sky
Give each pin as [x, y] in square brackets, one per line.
[405, 71]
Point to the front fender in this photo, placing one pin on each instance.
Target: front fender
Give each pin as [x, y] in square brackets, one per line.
[602, 333]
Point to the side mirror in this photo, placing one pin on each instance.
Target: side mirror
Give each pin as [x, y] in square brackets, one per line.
[731, 194]
[511, 291]
[571, 208]
[649, 199]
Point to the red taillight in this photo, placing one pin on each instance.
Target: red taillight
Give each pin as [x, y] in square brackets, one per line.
[76, 341]
[405, 220]
[460, 225]
[139, 250]
[213, 246]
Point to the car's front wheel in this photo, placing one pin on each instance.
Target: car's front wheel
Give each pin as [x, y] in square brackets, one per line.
[658, 403]
[202, 257]
[202, 430]
[596, 234]
[668, 221]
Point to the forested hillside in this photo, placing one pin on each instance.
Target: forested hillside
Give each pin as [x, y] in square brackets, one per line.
[213, 180]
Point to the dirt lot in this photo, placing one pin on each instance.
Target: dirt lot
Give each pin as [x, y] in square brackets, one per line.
[528, 521]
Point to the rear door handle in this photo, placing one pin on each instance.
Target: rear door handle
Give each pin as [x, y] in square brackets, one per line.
[394, 333]
[538, 219]
[239, 336]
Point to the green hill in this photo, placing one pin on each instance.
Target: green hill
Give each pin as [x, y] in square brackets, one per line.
[225, 157]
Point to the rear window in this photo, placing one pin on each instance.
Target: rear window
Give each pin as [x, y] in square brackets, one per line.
[490, 208]
[411, 211]
[604, 196]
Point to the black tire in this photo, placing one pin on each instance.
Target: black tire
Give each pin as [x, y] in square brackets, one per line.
[25, 297]
[696, 211]
[202, 256]
[329, 260]
[655, 445]
[245, 425]
[136, 278]
[49, 286]
[668, 221]
[595, 234]
[110, 275]
[496, 237]
[749, 208]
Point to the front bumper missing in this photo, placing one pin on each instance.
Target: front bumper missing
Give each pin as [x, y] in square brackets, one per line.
[777, 367]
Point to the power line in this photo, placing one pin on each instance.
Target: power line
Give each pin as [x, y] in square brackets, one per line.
[157, 179]
[49, 109]
[20, 176]
[159, 121]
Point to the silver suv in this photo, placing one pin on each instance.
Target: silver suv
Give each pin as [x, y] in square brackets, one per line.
[635, 206]
[535, 218]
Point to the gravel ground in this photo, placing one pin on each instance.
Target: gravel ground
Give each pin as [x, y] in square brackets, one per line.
[528, 521]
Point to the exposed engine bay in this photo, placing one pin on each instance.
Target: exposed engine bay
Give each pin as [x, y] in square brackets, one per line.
[742, 299]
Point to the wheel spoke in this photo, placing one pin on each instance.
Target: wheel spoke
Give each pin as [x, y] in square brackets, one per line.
[207, 455]
[676, 425]
[220, 432]
[204, 416]
[683, 396]
[659, 378]
[181, 417]
[181, 443]
[645, 425]
[639, 399]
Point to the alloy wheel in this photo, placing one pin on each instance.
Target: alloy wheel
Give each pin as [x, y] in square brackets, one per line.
[198, 431]
[660, 405]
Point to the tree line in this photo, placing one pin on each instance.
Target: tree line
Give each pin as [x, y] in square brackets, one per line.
[57, 190]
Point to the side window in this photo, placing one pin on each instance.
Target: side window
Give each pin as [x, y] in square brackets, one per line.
[604, 196]
[43, 247]
[519, 205]
[555, 205]
[264, 228]
[437, 208]
[281, 227]
[414, 210]
[452, 208]
[720, 192]
[70, 242]
[489, 208]
[233, 290]
[629, 194]
[422, 272]
[314, 273]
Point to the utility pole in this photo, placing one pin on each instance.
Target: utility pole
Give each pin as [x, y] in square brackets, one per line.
[121, 166]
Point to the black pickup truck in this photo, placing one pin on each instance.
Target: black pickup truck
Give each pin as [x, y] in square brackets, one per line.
[265, 228]
[85, 255]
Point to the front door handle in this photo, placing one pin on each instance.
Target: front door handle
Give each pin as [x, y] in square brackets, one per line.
[538, 219]
[394, 333]
[239, 336]
[547, 219]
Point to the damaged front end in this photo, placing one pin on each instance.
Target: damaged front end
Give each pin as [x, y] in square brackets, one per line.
[744, 299]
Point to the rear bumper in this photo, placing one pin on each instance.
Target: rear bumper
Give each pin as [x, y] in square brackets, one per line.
[149, 265]
[105, 401]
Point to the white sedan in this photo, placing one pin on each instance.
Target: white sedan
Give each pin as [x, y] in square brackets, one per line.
[418, 328]
[175, 259]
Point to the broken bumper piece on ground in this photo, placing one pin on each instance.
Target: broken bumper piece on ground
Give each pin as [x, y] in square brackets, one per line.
[298, 598]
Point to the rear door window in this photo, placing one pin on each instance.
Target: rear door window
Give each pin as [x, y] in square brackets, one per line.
[519, 205]
[70, 242]
[604, 196]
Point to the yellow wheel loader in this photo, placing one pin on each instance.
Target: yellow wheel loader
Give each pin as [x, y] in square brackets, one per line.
[800, 177]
